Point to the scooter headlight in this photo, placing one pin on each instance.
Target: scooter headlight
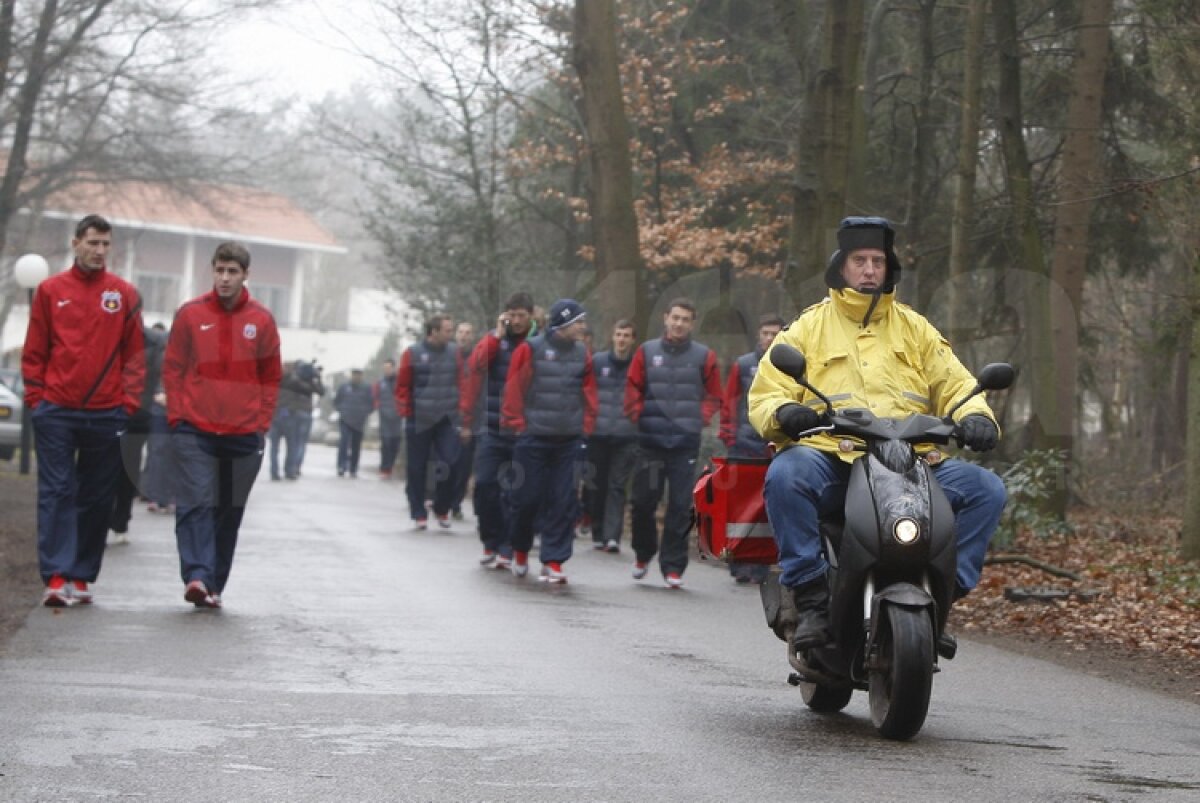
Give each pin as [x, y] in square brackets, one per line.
[906, 530]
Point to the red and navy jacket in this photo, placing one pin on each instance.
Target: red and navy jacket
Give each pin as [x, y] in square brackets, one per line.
[222, 367]
[551, 389]
[736, 430]
[672, 391]
[485, 376]
[84, 347]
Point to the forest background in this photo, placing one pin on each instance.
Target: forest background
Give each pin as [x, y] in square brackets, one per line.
[1039, 158]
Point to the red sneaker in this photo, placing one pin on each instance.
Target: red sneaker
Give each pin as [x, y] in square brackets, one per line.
[639, 569]
[80, 592]
[57, 595]
[196, 593]
[673, 580]
[520, 563]
[552, 572]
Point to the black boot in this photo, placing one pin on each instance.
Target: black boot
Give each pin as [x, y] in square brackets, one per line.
[812, 609]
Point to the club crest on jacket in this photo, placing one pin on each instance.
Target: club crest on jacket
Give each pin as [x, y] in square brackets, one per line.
[110, 301]
[250, 331]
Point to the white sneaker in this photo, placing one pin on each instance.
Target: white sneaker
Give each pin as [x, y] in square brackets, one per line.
[612, 546]
[640, 569]
[520, 564]
[673, 580]
[487, 558]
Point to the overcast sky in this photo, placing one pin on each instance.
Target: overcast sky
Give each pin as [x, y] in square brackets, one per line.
[296, 51]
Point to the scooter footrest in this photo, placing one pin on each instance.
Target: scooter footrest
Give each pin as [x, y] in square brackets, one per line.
[947, 646]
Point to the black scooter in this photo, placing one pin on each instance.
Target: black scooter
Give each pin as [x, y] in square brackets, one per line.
[891, 565]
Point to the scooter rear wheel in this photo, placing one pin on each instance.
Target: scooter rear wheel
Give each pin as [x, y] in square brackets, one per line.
[900, 684]
[825, 699]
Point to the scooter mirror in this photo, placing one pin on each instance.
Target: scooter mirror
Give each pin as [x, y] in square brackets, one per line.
[996, 376]
[789, 360]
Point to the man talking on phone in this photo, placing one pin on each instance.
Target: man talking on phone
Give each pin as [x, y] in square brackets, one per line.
[484, 379]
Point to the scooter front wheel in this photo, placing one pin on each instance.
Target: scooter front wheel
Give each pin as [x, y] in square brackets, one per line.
[902, 677]
[825, 699]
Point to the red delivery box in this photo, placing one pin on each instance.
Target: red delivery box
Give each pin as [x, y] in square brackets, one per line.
[731, 517]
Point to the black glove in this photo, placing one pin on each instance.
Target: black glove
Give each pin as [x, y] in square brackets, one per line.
[796, 418]
[978, 433]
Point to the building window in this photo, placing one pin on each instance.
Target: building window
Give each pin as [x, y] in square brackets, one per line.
[160, 292]
[274, 298]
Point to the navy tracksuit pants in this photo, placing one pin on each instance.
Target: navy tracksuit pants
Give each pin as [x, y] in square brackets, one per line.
[216, 473]
[546, 476]
[78, 460]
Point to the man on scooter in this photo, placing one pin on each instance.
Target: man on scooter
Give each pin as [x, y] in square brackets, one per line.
[864, 349]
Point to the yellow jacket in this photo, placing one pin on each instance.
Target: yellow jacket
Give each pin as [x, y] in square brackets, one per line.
[896, 366]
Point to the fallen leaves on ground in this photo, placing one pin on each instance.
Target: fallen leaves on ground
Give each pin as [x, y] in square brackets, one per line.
[1134, 594]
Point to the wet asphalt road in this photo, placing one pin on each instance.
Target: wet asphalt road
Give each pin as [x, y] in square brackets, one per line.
[358, 660]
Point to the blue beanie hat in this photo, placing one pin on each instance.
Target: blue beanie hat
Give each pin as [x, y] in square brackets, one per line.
[565, 312]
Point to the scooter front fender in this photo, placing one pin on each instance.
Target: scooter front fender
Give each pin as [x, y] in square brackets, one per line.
[905, 595]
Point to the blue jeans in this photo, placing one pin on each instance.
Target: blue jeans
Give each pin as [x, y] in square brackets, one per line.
[544, 491]
[216, 473]
[348, 449]
[657, 469]
[78, 457]
[804, 484]
[493, 483]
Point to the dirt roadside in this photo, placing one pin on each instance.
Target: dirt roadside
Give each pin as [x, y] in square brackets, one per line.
[20, 591]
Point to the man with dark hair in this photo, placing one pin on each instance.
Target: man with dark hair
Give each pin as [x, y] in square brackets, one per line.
[672, 391]
[353, 402]
[83, 370]
[221, 373]
[864, 349]
[612, 449]
[739, 437]
[427, 398]
[550, 405]
[391, 425]
[483, 392]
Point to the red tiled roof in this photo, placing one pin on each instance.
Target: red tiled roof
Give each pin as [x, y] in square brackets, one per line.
[214, 210]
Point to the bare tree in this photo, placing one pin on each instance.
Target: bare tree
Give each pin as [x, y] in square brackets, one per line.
[108, 90]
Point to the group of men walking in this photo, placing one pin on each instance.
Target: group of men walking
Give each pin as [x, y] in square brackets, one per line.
[532, 409]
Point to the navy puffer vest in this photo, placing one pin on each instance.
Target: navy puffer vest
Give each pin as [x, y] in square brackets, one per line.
[554, 399]
[746, 439]
[497, 374]
[434, 383]
[672, 416]
[611, 374]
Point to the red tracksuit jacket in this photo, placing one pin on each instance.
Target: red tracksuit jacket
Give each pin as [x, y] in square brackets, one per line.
[83, 348]
[222, 367]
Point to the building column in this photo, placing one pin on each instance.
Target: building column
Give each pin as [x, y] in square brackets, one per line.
[296, 297]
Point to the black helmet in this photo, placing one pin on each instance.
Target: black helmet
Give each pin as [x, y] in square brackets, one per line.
[864, 232]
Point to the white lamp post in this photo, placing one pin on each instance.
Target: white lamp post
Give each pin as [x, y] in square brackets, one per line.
[29, 271]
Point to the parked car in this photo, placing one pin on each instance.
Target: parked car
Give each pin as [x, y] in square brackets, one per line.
[11, 407]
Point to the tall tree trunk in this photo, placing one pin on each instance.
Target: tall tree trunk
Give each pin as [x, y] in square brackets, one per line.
[1078, 180]
[1042, 369]
[968, 158]
[620, 282]
[923, 134]
[1190, 545]
[829, 140]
